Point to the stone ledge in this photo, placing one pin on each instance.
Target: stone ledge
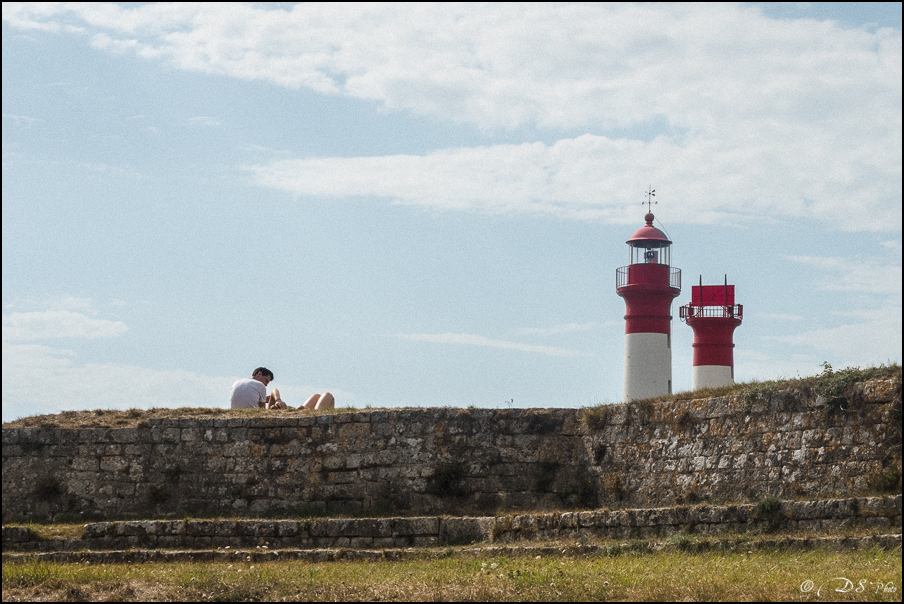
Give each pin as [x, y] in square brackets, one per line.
[874, 513]
[886, 542]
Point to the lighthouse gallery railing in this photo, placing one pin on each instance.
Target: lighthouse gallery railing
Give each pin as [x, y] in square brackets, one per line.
[621, 277]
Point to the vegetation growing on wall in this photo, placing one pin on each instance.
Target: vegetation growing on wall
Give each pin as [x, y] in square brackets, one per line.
[834, 386]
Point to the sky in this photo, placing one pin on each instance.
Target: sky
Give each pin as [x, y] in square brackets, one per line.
[426, 204]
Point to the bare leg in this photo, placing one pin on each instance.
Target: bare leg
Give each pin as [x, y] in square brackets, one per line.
[320, 401]
[274, 401]
[326, 401]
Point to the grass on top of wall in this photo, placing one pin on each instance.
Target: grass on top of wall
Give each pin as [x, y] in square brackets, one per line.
[834, 386]
[130, 418]
[830, 384]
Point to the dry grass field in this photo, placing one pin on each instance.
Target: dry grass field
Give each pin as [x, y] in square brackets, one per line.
[870, 576]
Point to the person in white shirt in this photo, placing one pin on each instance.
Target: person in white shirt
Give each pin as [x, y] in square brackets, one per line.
[251, 392]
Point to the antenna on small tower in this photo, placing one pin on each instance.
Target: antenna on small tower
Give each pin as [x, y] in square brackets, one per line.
[651, 193]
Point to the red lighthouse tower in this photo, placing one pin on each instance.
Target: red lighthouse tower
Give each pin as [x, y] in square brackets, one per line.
[713, 315]
[648, 285]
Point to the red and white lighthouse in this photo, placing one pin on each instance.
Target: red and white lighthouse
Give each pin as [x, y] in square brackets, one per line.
[648, 285]
[713, 315]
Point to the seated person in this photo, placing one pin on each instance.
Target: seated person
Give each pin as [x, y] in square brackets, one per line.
[251, 392]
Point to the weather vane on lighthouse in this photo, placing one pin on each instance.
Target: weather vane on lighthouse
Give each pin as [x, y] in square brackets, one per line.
[650, 195]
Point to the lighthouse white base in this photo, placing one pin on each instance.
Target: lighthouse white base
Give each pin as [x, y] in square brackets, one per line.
[648, 365]
[713, 376]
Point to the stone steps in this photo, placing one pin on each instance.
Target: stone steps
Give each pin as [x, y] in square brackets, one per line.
[866, 515]
[259, 555]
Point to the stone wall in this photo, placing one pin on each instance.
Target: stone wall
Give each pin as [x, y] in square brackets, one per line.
[458, 461]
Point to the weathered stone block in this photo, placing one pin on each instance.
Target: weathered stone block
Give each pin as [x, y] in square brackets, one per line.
[879, 522]
[113, 464]
[15, 534]
[416, 526]
[460, 531]
[359, 542]
[98, 529]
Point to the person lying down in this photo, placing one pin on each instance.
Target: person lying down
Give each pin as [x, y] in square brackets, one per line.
[316, 401]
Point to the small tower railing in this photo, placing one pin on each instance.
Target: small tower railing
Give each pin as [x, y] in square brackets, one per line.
[718, 312]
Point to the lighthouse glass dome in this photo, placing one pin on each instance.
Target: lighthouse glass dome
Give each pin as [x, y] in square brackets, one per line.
[649, 245]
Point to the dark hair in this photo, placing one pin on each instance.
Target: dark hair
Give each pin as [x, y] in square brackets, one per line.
[263, 370]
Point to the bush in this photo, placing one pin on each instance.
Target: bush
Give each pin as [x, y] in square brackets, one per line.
[769, 509]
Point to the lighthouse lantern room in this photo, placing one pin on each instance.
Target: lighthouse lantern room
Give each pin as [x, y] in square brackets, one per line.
[648, 285]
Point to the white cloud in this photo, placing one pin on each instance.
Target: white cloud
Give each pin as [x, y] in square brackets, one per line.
[21, 120]
[475, 340]
[779, 316]
[110, 170]
[590, 178]
[57, 382]
[853, 275]
[205, 121]
[860, 344]
[876, 338]
[24, 326]
[758, 117]
[67, 302]
[557, 329]
[867, 329]
[40, 379]
[549, 64]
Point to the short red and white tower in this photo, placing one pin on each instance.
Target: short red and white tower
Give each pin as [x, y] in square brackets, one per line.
[713, 315]
[648, 285]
